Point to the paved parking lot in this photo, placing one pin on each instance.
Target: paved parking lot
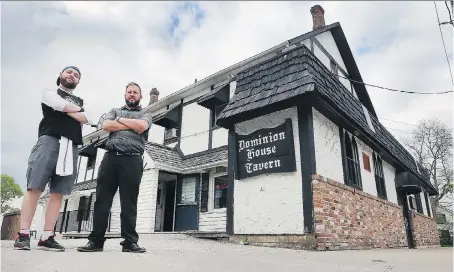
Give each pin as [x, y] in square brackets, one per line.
[172, 252]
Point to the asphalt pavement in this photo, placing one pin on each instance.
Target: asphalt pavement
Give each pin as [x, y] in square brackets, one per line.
[176, 252]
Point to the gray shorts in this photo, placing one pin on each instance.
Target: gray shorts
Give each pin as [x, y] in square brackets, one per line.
[42, 164]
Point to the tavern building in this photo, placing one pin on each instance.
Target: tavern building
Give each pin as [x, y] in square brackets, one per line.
[284, 145]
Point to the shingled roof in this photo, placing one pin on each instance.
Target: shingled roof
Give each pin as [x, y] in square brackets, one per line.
[292, 75]
[169, 156]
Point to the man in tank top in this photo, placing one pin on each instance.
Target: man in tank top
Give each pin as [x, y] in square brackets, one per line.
[53, 159]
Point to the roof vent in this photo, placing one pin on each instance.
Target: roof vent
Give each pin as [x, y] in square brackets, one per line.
[318, 17]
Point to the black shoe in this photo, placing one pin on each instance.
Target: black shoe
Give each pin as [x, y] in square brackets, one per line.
[22, 242]
[50, 244]
[134, 248]
[90, 247]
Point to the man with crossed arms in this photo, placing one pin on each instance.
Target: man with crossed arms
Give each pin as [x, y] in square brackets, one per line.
[53, 159]
[122, 168]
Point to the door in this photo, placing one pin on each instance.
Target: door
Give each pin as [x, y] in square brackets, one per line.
[160, 206]
[408, 220]
[187, 208]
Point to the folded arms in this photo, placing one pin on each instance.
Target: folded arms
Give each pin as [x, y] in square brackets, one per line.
[53, 100]
[114, 123]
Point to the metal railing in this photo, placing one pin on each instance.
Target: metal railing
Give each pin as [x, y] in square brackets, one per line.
[77, 221]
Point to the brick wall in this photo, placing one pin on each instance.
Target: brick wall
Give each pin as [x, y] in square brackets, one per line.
[425, 231]
[346, 218]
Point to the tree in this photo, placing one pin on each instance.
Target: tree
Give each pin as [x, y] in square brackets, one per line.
[431, 143]
[10, 189]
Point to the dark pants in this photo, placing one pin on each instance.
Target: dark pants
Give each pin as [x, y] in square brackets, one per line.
[123, 172]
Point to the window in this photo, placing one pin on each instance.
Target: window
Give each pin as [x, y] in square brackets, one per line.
[379, 176]
[426, 197]
[352, 169]
[188, 190]
[418, 203]
[411, 202]
[220, 192]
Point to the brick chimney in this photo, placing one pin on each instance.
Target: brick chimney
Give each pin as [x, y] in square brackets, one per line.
[318, 17]
[154, 96]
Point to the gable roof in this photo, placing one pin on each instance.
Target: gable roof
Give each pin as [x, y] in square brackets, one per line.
[339, 38]
[257, 95]
[291, 77]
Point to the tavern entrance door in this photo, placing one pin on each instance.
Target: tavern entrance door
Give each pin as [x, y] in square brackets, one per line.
[187, 208]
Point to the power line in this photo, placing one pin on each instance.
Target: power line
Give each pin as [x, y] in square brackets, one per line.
[403, 131]
[394, 90]
[398, 122]
[443, 40]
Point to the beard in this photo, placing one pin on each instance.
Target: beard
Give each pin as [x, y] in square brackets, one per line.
[69, 85]
[132, 104]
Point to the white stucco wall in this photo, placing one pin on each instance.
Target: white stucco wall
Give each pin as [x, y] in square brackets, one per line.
[327, 41]
[146, 204]
[82, 169]
[220, 137]
[195, 128]
[367, 178]
[115, 223]
[328, 158]
[389, 172]
[99, 156]
[38, 219]
[156, 134]
[270, 203]
[328, 155]
[423, 202]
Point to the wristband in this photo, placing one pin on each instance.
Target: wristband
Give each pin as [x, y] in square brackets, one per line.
[118, 119]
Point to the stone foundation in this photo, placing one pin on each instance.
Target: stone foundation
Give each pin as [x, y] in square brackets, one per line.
[425, 231]
[347, 218]
[306, 241]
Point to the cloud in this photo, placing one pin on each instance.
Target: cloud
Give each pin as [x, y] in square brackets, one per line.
[168, 44]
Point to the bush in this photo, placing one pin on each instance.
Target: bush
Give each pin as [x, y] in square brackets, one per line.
[445, 238]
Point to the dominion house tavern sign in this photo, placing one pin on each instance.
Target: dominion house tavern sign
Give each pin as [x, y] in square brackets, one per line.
[265, 151]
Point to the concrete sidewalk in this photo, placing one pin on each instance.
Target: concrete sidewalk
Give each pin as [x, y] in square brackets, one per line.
[172, 252]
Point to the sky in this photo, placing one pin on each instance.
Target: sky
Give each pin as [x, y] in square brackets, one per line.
[168, 45]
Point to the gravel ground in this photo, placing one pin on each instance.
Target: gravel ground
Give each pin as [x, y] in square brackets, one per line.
[173, 252]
